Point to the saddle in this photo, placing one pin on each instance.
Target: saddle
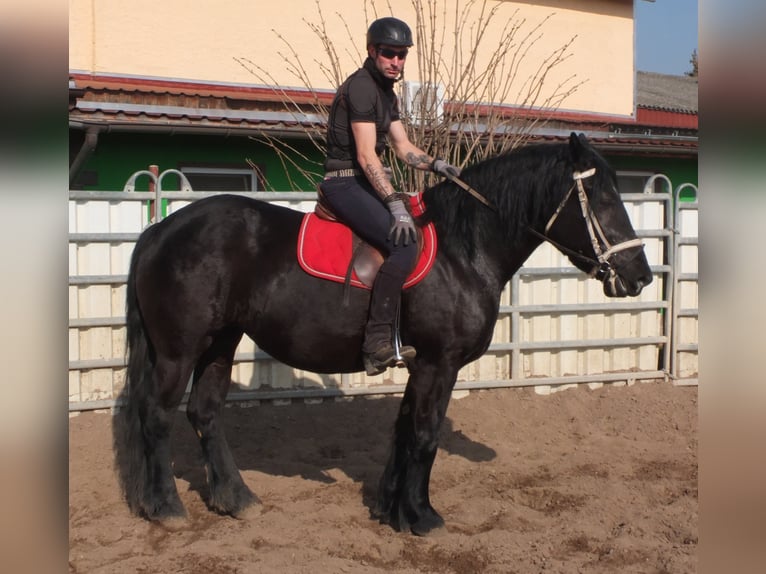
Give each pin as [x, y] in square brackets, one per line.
[330, 250]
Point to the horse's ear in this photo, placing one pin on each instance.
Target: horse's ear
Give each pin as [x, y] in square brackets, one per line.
[578, 146]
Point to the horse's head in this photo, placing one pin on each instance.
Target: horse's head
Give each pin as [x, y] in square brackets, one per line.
[592, 227]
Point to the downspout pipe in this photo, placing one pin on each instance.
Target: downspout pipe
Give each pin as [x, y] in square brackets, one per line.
[87, 149]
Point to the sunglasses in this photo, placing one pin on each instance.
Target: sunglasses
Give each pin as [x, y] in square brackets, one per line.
[390, 53]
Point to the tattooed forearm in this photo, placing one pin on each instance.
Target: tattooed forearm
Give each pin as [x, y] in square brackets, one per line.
[379, 180]
[422, 161]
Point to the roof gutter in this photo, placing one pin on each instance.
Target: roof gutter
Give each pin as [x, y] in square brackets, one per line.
[173, 129]
[650, 149]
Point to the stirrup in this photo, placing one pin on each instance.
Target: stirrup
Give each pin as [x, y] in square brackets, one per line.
[398, 358]
[401, 353]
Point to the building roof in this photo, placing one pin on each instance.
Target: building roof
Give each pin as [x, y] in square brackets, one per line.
[665, 121]
[666, 92]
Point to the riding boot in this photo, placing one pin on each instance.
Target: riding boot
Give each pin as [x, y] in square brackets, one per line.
[378, 349]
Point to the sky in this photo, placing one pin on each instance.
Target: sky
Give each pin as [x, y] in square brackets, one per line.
[666, 35]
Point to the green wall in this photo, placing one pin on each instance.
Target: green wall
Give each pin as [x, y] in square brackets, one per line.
[679, 170]
[119, 155]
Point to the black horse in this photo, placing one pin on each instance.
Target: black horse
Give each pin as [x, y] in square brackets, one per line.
[226, 265]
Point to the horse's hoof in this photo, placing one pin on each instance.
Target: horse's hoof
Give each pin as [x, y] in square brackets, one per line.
[250, 512]
[165, 512]
[234, 502]
[383, 517]
[429, 525]
[172, 523]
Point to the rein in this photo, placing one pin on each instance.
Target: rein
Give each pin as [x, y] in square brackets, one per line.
[602, 268]
[469, 189]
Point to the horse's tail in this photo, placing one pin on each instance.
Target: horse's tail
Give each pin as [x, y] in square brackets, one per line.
[128, 435]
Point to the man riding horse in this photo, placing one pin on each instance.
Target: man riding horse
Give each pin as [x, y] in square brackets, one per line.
[227, 265]
[358, 189]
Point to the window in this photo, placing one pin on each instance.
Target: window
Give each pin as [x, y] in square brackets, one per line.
[218, 178]
[634, 182]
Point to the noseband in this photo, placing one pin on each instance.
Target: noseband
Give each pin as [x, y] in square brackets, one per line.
[602, 267]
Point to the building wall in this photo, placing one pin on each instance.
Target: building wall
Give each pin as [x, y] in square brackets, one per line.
[679, 170]
[203, 40]
[119, 155]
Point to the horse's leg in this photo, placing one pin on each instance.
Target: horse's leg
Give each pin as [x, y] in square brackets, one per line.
[212, 378]
[160, 498]
[403, 499]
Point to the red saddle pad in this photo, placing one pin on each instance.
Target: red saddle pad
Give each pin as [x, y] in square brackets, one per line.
[325, 248]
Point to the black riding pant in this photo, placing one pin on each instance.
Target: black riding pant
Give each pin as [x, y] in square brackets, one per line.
[356, 203]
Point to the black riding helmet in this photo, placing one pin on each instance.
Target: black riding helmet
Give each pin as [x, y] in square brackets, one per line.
[390, 31]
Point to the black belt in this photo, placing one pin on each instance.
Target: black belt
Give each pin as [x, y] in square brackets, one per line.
[351, 172]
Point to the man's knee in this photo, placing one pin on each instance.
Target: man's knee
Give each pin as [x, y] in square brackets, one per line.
[405, 257]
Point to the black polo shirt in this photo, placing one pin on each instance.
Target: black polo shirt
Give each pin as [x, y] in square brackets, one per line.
[365, 96]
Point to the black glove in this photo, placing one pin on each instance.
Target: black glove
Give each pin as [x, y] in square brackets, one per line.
[402, 226]
[444, 169]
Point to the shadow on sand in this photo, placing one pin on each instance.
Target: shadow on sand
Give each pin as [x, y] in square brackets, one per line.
[308, 440]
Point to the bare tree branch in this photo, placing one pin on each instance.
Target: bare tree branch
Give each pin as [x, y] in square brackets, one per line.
[463, 112]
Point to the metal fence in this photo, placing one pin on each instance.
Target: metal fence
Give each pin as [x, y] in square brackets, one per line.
[555, 326]
[684, 360]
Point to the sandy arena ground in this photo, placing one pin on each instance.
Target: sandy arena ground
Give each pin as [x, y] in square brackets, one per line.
[582, 480]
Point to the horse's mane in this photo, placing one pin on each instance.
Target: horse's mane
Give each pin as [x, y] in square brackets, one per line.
[523, 185]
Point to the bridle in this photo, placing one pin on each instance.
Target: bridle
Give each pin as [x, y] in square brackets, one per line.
[604, 250]
[602, 266]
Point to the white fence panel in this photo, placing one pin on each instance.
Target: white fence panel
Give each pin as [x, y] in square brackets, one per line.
[555, 325]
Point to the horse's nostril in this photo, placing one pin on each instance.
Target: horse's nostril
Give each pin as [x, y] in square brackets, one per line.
[641, 282]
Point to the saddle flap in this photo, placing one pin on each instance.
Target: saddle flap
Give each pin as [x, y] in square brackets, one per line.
[366, 260]
[328, 249]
